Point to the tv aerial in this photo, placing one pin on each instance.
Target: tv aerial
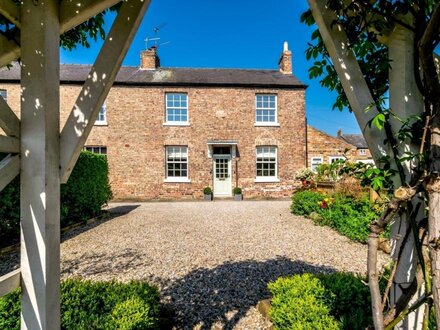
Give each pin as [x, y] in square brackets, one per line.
[155, 40]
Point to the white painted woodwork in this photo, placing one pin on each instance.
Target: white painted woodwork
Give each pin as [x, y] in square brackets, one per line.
[222, 175]
[9, 144]
[40, 184]
[350, 74]
[98, 84]
[10, 11]
[9, 122]
[9, 169]
[73, 13]
[9, 50]
[9, 282]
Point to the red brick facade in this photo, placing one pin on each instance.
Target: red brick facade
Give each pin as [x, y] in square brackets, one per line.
[136, 137]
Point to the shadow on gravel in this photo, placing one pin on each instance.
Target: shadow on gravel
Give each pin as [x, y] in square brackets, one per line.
[225, 293]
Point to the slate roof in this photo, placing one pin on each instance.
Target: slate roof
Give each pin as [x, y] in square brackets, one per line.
[130, 75]
[357, 140]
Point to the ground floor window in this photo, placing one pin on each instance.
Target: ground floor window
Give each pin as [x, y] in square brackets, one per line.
[267, 162]
[316, 161]
[333, 159]
[96, 149]
[177, 162]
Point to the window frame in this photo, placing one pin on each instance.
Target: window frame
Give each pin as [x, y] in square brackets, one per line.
[336, 158]
[267, 178]
[5, 91]
[176, 179]
[176, 123]
[103, 122]
[85, 148]
[266, 123]
[321, 159]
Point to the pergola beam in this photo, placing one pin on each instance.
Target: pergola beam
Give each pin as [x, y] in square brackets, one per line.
[9, 169]
[9, 144]
[98, 84]
[10, 11]
[9, 121]
[73, 13]
[9, 282]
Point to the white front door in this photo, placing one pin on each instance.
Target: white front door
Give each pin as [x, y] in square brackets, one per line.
[222, 175]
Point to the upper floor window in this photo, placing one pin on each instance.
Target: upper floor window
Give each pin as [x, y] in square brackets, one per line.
[102, 116]
[266, 109]
[176, 108]
[362, 152]
[176, 163]
[267, 164]
[4, 94]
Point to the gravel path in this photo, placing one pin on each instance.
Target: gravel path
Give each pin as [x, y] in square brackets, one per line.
[211, 260]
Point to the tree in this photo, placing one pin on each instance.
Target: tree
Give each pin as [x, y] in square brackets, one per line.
[367, 50]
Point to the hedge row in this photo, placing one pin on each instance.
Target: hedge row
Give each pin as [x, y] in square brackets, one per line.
[330, 302]
[83, 196]
[95, 305]
[349, 216]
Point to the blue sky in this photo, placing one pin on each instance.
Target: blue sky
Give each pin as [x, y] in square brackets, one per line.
[231, 34]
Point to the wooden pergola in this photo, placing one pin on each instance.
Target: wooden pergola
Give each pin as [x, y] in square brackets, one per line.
[42, 155]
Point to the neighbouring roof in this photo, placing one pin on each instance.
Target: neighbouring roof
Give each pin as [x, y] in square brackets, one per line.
[130, 75]
[357, 140]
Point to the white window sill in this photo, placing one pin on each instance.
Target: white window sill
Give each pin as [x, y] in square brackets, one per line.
[267, 124]
[176, 124]
[177, 180]
[266, 179]
[101, 123]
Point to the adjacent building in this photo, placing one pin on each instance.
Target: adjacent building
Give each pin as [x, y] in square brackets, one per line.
[170, 132]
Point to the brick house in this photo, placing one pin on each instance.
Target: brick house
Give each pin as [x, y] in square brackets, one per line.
[323, 148]
[170, 132]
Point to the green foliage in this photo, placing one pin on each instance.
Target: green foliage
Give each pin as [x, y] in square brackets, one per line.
[82, 197]
[207, 191]
[87, 190]
[377, 178]
[349, 216]
[301, 302]
[306, 202]
[334, 301]
[237, 191]
[95, 305]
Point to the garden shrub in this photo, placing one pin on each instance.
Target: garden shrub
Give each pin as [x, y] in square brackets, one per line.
[87, 190]
[95, 305]
[334, 301]
[348, 215]
[306, 202]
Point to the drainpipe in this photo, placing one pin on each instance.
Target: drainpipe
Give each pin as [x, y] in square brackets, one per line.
[307, 145]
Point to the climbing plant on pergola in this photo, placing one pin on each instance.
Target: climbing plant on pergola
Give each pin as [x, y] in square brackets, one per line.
[42, 155]
[370, 48]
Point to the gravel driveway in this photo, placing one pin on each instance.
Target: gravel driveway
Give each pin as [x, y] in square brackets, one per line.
[211, 260]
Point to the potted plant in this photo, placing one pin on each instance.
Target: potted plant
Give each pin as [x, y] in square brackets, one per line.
[207, 194]
[306, 176]
[238, 196]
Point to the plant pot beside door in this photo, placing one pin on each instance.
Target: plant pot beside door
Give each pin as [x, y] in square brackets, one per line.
[207, 194]
[238, 195]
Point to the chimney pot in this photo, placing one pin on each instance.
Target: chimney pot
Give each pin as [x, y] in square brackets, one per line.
[149, 59]
[285, 62]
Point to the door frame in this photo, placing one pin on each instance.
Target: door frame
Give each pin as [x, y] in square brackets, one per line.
[229, 158]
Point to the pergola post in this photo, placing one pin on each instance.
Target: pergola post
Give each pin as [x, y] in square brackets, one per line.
[40, 184]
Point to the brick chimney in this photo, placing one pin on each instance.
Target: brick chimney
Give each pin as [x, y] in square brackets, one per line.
[149, 59]
[285, 62]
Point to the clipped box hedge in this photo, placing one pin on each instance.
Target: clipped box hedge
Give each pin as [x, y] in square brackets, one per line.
[315, 302]
[95, 305]
[82, 198]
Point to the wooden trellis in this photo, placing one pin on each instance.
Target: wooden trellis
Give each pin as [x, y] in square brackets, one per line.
[37, 150]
